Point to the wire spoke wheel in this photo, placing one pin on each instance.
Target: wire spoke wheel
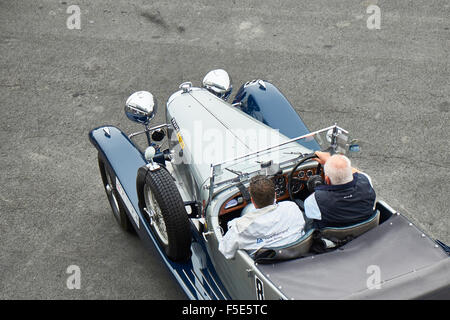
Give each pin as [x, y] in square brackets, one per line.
[155, 215]
[164, 212]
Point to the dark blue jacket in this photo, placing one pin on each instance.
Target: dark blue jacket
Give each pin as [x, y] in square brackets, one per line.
[345, 204]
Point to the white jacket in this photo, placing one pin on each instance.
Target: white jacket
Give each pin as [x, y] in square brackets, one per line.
[272, 226]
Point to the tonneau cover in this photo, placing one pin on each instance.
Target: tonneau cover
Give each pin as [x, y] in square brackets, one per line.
[410, 265]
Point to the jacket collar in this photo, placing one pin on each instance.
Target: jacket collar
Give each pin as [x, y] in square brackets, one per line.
[333, 187]
[265, 209]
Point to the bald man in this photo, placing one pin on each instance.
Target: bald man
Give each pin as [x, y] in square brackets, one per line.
[346, 198]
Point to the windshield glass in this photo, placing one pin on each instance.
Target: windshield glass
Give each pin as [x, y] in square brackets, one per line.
[272, 159]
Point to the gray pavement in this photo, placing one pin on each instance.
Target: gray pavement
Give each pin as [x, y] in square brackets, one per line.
[390, 87]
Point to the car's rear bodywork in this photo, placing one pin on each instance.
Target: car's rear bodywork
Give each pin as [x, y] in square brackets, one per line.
[408, 263]
[392, 261]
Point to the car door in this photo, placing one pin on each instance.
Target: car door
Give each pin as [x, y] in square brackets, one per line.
[240, 275]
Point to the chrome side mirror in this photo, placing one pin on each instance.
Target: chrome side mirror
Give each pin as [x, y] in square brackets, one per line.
[218, 82]
[141, 107]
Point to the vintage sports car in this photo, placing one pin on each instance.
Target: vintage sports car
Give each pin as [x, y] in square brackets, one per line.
[179, 192]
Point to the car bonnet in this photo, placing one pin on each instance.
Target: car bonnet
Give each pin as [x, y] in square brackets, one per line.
[213, 131]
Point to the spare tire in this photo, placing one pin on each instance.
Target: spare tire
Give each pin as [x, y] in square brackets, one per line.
[163, 209]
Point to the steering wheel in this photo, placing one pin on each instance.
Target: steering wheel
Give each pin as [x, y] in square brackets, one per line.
[291, 174]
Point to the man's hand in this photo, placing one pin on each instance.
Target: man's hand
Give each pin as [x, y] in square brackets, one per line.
[322, 157]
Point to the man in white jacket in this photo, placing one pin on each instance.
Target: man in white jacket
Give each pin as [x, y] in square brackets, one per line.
[269, 225]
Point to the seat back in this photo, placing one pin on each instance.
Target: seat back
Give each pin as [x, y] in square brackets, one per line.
[287, 252]
[354, 231]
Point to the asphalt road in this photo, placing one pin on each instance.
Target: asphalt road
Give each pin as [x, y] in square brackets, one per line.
[390, 87]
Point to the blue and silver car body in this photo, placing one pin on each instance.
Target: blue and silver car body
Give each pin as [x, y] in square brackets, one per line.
[214, 187]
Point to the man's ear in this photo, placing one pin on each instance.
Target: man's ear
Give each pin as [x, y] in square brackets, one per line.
[327, 180]
[251, 199]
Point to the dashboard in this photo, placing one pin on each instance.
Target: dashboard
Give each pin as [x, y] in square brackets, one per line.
[300, 177]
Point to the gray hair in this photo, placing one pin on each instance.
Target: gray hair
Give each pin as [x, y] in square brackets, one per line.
[339, 169]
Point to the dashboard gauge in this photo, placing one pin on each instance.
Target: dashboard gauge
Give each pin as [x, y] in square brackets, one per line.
[280, 185]
[301, 174]
[309, 173]
[232, 203]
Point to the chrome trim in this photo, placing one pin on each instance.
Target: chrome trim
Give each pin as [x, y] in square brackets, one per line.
[149, 130]
[217, 286]
[209, 284]
[204, 234]
[279, 145]
[183, 285]
[186, 86]
[199, 295]
[156, 218]
[201, 282]
[216, 169]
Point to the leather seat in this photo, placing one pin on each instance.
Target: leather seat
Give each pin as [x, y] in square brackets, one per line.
[354, 231]
[291, 251]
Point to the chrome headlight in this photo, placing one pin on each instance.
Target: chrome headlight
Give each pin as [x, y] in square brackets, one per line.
[219, 83]
[141, 107]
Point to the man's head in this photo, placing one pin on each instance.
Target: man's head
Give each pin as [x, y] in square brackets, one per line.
[338, 170]
[262, 191]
